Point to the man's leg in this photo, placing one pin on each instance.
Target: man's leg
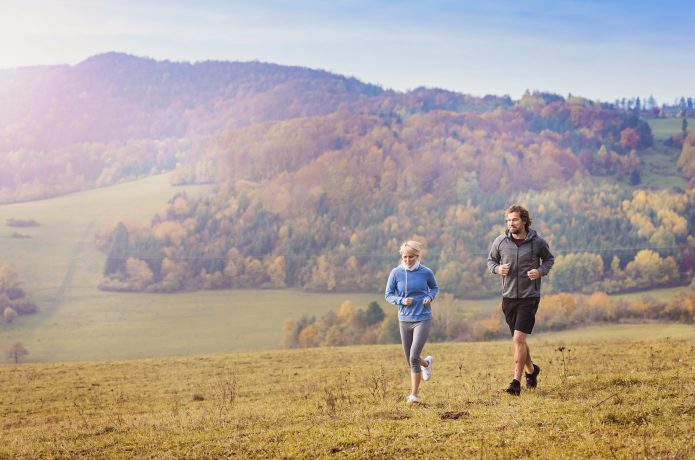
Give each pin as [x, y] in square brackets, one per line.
[529, 361]
[522, 355]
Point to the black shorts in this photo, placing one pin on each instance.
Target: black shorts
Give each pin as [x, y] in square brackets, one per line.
[520, 313]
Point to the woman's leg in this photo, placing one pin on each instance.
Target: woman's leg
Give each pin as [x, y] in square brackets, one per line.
[415, 378]
[406, 338]
[421, 330]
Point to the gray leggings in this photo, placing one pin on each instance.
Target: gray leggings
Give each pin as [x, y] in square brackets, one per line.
[413, 337]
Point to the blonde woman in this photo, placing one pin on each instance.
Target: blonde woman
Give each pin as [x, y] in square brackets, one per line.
[412, 287]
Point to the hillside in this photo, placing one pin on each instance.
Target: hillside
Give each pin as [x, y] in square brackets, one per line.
[319, 177]
[61, 267]
[321, 203]
[114, 116]
[600, 398]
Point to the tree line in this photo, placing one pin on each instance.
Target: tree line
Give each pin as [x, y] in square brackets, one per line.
[14, 301]
[452, 321]
[321, 203]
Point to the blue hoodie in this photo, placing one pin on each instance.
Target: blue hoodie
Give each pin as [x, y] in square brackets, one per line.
[418, 284]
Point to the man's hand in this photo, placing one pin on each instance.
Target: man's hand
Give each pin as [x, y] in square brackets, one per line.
[504, 269]
[533, 274]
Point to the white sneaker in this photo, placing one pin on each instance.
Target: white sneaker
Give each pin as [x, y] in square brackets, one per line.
[412, 399]
[427, 371]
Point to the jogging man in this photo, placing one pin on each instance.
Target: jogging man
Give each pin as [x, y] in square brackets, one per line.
[521, 257]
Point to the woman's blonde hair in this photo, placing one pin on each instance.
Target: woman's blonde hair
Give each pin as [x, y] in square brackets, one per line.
[413, 247]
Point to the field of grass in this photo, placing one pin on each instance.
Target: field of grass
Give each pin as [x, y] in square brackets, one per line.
[128, 326]
[68, 223]
[664, 128]
[116, 326]
[659, 163]
[77, 322]
[619, 332]
[664, 295]
[625, 396]
[87, 324]
[660, 171]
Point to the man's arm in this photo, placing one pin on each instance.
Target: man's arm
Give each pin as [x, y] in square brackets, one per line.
[547, 257]
[494, 257]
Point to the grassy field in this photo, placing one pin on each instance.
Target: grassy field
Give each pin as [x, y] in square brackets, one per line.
[659, 163]
[77, 322]
[117, 326]
[664, 128]
[88, 324]
[660, 171]
[68, 223]
[625, 396]
[127, 326]
[664, 295]
[619, 332]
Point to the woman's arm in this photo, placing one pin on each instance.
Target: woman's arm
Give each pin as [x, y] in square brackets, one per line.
[391, 293]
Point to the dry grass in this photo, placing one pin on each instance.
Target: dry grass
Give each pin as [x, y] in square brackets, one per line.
[608, 398]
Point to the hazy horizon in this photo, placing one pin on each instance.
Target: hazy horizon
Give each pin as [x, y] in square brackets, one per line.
[589, 48]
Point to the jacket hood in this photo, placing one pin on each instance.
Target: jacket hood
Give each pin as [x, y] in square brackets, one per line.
[531, 234]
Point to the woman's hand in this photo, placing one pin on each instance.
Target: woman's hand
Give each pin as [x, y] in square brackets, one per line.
[408, 301]
[427, 301]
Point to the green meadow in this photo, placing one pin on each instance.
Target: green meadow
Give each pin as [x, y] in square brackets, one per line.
[659, 163]
[625, 392]
[96, 326]
[76, 321]
[664, 128]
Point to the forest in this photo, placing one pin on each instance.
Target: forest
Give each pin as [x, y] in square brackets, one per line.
[322, 203]
[320, 177]
[116, 117]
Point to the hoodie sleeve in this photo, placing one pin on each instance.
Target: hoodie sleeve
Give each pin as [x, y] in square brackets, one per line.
[547, 257]
[390, 294]
[494, 257]
[432, 284]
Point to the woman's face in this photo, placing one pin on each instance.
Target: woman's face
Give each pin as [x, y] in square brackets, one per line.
[409, 259]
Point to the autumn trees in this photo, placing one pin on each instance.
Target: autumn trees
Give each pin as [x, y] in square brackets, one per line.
[115, 117]
[686, 160]
[453, 319]
[345, 326]
[321, 203]
[13, 299]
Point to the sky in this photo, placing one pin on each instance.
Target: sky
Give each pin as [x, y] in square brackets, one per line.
[599, 49]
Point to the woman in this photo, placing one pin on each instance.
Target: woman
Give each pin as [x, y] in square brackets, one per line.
[412, 287]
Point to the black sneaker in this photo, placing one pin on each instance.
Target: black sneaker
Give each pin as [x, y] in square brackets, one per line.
[514, 388]
[532, 379]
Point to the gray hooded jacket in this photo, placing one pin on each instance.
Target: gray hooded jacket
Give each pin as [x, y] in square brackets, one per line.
[533, 253]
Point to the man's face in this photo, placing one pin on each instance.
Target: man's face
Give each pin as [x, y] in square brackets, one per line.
[515, 224]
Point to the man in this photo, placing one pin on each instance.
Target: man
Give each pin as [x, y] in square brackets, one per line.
[521, 257]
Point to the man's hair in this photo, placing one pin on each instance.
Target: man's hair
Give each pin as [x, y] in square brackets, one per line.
[523, 213]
